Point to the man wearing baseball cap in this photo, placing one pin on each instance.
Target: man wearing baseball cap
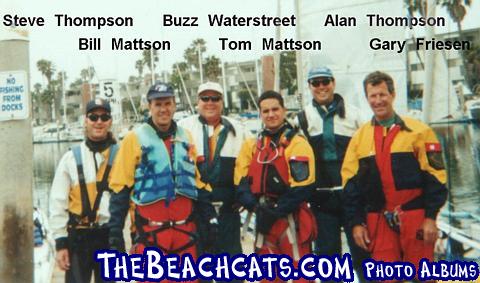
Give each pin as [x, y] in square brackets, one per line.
[218, 140]
[329, 123]
[80, 196]
[155, 169]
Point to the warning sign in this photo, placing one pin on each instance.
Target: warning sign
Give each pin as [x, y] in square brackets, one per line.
[13, 95]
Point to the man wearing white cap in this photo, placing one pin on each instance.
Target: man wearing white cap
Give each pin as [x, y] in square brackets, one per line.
[218, 140]
[329, 123]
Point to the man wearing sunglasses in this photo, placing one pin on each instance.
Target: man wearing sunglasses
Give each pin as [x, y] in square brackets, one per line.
[155, 169]
[329, 123]
[80, 196]
[218, 140]
[274, 173]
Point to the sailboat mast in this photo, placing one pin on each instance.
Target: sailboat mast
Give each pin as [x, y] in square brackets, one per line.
[64, 99]
[429, 57]
[184, 88]
[224, 82]
[276, 56]
[152, 67]
[298, 57]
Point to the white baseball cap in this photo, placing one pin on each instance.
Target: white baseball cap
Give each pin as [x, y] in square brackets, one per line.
[210, 86]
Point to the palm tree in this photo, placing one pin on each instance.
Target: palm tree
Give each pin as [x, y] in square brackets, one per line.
[147, 59]
[457, 11]
[139, 64]
[212, 68]
[87, 74]
[48, 69]
[192, 52]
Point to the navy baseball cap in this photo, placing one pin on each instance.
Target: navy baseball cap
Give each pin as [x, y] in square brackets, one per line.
[160, 90]
[319, 72]
[97, 103]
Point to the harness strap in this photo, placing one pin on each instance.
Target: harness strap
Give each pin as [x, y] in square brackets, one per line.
[77, 153]
[87, 210]
[144, 236]
[103, 185]
[302, 120]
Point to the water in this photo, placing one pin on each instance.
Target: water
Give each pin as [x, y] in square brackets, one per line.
[45, 160]
[462, 144]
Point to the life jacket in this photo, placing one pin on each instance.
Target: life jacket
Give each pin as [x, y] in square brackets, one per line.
[89, 214]
[157, 177]
[269, 176]
[268, 172]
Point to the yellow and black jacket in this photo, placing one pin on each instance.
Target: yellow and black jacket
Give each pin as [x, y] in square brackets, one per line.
[288, 191]
[400, 166]
[66, 193]
[217, 150]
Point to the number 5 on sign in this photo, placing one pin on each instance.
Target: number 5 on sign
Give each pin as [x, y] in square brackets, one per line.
[108, 88]
[110, 91]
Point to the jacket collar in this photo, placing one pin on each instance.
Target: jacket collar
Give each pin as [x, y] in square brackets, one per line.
[398, 121]
[223, 121]
[339, 105]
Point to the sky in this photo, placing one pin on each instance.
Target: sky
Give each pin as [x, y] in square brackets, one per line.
[60, 44]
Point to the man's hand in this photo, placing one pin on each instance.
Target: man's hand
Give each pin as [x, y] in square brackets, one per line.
[63, 259]
[360, 235]
[430, 230]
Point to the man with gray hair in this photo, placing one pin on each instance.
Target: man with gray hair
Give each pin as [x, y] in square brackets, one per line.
[218, 140]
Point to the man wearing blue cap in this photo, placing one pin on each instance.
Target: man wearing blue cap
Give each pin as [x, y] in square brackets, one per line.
[80, 195]
[155, 169]
[329, 123]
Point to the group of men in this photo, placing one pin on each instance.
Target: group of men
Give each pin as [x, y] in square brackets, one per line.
[183, 184]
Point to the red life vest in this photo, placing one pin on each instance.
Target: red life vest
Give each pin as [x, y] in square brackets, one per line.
[268, 159]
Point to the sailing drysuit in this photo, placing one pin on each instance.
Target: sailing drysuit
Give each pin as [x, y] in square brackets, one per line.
[329, 130]
[273, 174]
[395, 171]
[79, 201]
[217, 150]
[157, 172]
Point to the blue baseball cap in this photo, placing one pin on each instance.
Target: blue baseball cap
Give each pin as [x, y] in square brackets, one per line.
[319, 72]
[98, 103]
[160, 90]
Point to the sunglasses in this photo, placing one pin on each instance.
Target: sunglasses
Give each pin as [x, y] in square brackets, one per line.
[103, 117]
[210, 98]
[318, 82]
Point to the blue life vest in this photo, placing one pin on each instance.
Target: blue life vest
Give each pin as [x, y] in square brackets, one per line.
[157, 177]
